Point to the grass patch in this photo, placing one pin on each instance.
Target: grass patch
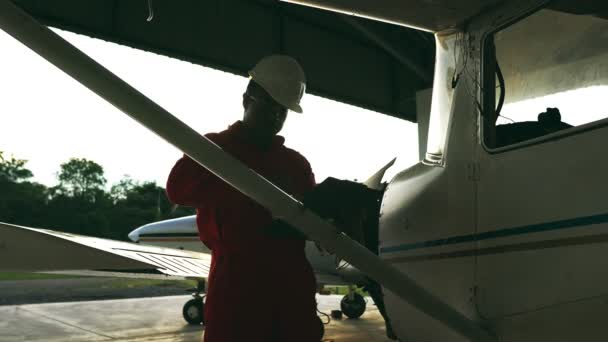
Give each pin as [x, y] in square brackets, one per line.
[342, 290]
[33, 276]
[128, 283]
[115, 283]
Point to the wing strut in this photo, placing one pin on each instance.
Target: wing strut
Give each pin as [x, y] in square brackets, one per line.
[91, 74]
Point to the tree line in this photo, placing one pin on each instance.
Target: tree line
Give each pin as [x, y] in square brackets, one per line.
[80, 202]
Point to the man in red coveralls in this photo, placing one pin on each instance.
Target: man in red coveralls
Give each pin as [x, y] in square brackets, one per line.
[261, 286]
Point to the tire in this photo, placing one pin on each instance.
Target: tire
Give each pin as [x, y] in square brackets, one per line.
[193, 311]
[353, 308]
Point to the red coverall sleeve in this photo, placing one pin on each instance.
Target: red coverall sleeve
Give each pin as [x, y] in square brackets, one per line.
[190, 184]
[307, 182]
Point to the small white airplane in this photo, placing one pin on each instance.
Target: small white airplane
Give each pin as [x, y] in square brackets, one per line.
[500, 232]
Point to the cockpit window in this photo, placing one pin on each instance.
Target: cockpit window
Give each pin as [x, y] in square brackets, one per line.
[549, 72]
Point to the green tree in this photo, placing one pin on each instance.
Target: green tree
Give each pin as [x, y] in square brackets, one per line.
[136, 204]
[81, 178]
[79, 203]
[13, 169]
[21, 201]
[121, 190]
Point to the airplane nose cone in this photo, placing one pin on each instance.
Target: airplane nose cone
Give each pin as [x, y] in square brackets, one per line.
[134, 235]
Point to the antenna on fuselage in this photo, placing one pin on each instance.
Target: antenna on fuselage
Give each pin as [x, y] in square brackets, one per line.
[375, 181]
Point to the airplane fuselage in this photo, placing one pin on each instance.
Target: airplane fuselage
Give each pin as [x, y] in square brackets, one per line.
[508, 227]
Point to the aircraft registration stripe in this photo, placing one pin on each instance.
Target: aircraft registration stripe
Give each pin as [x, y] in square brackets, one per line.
[535, 228]
[520, 247]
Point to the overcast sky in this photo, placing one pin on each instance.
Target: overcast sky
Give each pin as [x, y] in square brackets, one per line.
[47, 117]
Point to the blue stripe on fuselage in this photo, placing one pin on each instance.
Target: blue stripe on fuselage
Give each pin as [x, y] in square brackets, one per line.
[535, 228]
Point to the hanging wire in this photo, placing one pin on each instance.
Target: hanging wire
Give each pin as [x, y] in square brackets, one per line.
[462, 47]
[326, 317]
[150, 11]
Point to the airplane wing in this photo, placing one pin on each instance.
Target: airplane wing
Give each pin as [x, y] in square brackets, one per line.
[433, 16]
[32, 249]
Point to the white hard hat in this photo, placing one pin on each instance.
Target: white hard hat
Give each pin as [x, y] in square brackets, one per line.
[283, 79]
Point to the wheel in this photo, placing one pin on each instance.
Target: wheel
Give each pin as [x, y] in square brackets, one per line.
[353, 308]
[193, 311]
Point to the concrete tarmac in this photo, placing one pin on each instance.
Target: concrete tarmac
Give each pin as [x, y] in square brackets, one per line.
[156, 319]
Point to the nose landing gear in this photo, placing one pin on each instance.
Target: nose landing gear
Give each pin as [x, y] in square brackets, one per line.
[193, 310]
[352, 304]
